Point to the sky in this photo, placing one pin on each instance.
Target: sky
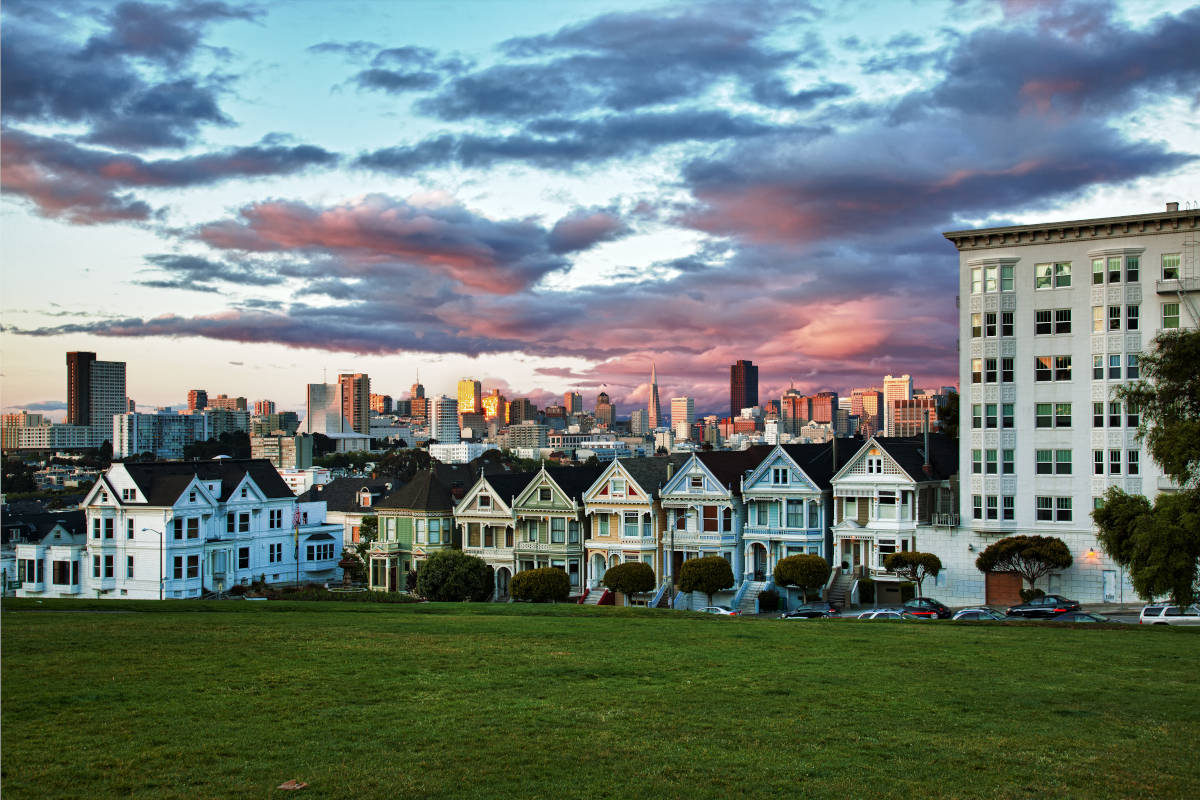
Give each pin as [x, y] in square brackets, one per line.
[247, 198]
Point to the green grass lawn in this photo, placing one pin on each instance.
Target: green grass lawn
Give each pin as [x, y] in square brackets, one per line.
[200, 700]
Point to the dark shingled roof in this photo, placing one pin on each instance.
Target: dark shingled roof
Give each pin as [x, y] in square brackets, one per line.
[817, 460]
[423, 493]
[509, 484]
[162, 482]
[650, 472]
[341, 494]
[728, 466]
[909, 453]
[34, 527]
[574, 480]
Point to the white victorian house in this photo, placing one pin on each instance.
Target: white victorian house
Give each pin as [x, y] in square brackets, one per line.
[487, 524]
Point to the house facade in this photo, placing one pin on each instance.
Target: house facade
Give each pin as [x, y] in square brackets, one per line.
[184, 529]
[414, 523]
[487, 525]
[48, 551]
[550, 521]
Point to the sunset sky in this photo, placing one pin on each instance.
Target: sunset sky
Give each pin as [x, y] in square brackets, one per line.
[550, 195]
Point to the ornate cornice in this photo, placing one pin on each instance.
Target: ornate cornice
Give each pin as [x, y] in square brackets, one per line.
[1088, 230]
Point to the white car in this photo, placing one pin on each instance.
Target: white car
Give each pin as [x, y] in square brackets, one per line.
[882, 613]
[722, 610]
[1163, 614]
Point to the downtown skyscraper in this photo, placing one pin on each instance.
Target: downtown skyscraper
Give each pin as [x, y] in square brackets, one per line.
[652, 407]
[743, 386]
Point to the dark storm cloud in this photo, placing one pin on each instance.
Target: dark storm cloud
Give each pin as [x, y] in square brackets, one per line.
[178, 271]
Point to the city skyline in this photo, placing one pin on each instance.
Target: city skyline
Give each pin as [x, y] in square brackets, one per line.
[775, 193]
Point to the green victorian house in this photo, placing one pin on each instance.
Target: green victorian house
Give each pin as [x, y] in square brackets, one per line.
[550, 521]
[414, 522]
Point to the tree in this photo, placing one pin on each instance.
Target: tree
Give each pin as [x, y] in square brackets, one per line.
[630, 578]
[804, 572]
[452, 575]
[1031, 557]
[355, 558]
[1160, 544]
[913, 566]
[542, 585]
[948, 416]
[708, 575]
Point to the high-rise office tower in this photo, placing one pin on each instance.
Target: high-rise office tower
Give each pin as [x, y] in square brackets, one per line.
[79, 388]
[743, 386]
[824, 404]
[795, 410]
[95, 394]
[417, 391]
[639, 422]
[264, 408]
[323, 409]
[418, 403]
[683, 412]
[573, 402]
[356, 400]
[197, 400]
[606, 414]
[443, 420]
[521, 410]
[894, 388]
[470, 393]
[381, 403]
[495, 407]
[652, 408]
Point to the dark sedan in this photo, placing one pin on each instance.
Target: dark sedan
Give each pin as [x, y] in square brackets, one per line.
[927, 607]
[1044, 607]
[811, 611]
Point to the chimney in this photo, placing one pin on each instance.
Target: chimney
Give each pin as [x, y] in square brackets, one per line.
[670, 469]
[1172, 206]
[835, 453]
[927, 467]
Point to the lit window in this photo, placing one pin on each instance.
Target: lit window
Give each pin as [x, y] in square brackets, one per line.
[1062, 275]
[1170, 315]
[1170, 266]
[976, 326]
[976, 370]
[976, 280]
[1062, 368]
[1043, 276]
[1043, 368]
[989, 279]
[1097, 271]
[1097, 319]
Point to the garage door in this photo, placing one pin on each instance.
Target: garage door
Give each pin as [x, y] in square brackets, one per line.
[1003, 589]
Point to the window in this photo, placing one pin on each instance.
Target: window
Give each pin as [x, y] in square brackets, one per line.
[976, 326]
[96, 528]
[178, 527]
[1170, 266]
[1062, 368]
[544, 494]
[1114, 318]
[1114, 462]
[1008, 507]
[243, 558]
[761, 512]
[1006, 323]
[990, 371]
[976, 462]
[1097, 415]
[1062, 509]
[193, 528]
[976, 415]
[989, 279]
[1132, 368]
[795, 513]
[1007, 462]
[976, 370]
[230, 522]
[435, 531]
[1043, 322]
[1007, 370]
[727, 519]
[320, 552]
[484, 501]
[1170, 315]
[709, 517]
[1097, 271]
[128, 494]
[1044, 462]
[779, 476]
[1006, 415]
[992, 507]
[129, 567]
[1114, 366]
[1097, 368]
[989, 410]
[1062, 415]
[1097, 319]
[1045, 509]
[989, 323]
[1114, 269]
[275, 518]
[129, 529]
[275, 552]
[977, 506]
[1131, 268]
[616, 487]
[177, 572]
[573, 530]
[1043, 368]
[192, 496]
[243, 491]
[875, 465]
[1006, 277]
[814, 515]
[1043, 276]
[1132, 462]
[991, 462]
[1131, 416]
[419, 530]
[1131, 317]
[1097, 462]
[696, 482]
[60, 573]
[193, 566]
[603, 525]
[531, 530]
[1062, 462]
[977, 280]
[244, 522]
[558, 530]
[108, 527]
[1044, 417]
[1114, 415]
[1062, 320]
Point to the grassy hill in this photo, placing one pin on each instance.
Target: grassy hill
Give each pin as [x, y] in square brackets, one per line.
[189, 699]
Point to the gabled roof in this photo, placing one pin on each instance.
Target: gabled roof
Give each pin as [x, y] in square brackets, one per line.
[816, 460]
[423, 493]
[34, 527]
[341, 494]
[650, 472]
[909, 453]
[162, 482]
[728, 466]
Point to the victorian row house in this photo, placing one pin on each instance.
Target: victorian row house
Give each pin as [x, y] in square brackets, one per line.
[414, 522]
[184, 529]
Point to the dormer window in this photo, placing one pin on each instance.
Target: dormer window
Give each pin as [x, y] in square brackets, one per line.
[484, 501]
[779, 476]
[544, 494]
[364, 499]
[616, 487]
[696, 482]
[245, 492]
[103, 496]
[192, 496]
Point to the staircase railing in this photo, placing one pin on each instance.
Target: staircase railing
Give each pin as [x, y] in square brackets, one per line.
[583, 596]
[833, 579]
[740, 594]
[654, 601]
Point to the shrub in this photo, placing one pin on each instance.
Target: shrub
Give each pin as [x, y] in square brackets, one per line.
[914, 566]
[768, 600]
[452, 575]
[804, 572]
[1031, 594]
[866, 590]
[709, 575]
[630, 578]
[1031, 557]
[542, 585]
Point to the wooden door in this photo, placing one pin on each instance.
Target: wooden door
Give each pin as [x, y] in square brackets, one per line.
[1003, 589]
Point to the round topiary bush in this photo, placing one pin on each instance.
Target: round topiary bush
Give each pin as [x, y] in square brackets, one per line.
[630, 579]
[768, 600]
[454, 576]
[542, 585]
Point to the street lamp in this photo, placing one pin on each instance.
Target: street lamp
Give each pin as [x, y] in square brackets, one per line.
[160, 560]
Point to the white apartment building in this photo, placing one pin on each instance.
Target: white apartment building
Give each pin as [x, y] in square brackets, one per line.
[164, 434]
[179, 529]
[443, 420]
[1052, 319]
[894, 388]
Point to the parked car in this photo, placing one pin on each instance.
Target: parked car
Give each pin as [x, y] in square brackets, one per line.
[724, 611]
[1163, 614]
[927, 607]
[1044, 607]
[889, 613]
[980, 614]
[814, 610]
[1080, 616]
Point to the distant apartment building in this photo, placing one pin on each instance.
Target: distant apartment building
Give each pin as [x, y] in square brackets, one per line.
[381, 403]
[10, 434]
[443, 420]
[197, 400]
[224, 402]
[639, 422]
[743, 386]
[285, 422]
[263, 408]
[356, 401]
[915, 416]
[165, 435]
[285, 452]
[795, 410]
[527, 434]
[894, 388]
